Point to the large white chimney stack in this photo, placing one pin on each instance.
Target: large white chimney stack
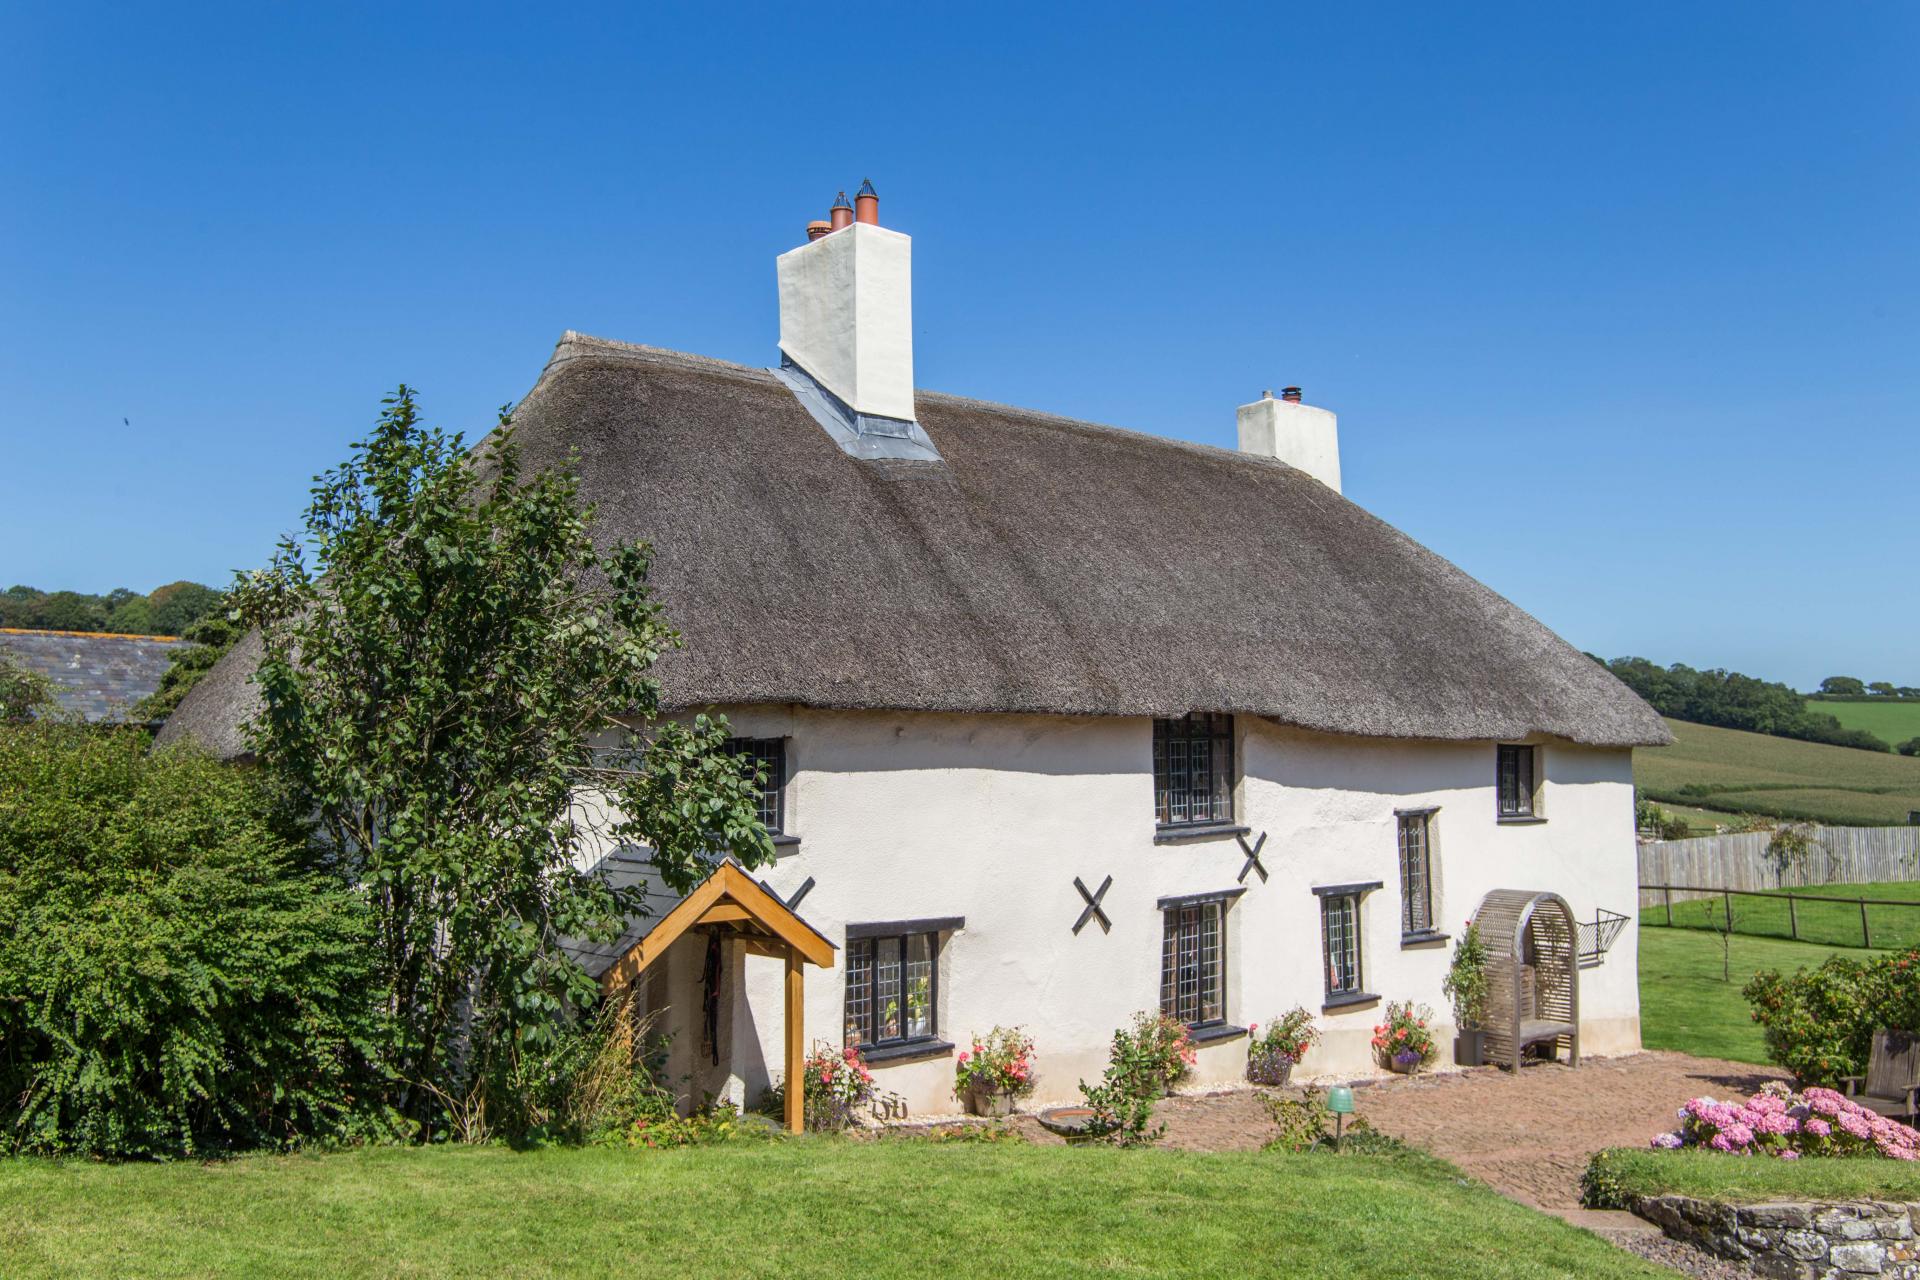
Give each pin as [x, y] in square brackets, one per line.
[1298, 434]
[846, 311]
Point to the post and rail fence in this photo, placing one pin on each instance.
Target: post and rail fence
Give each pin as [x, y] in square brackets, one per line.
[1831, 923]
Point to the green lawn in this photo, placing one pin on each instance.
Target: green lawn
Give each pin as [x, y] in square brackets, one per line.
[1712, 1176]
[1685, 1004]
[1891, 722]
[1725, 769]
[805, 1208]
[1830, 923]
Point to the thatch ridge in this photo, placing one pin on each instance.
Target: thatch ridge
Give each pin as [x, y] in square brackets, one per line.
[1047, 565]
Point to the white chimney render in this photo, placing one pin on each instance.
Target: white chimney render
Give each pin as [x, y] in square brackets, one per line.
[846, 330]
[1299, 435]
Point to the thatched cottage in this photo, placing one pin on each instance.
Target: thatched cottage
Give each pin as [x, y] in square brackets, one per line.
[1064, 721]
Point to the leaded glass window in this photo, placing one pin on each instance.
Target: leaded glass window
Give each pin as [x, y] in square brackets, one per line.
[768, 758]
[1193, 964]
[1193, 770]
[1340, 942]
[893, 987]
[1516, 781]
[1416, 873]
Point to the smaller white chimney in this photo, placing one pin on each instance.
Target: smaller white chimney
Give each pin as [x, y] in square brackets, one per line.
[1300, 435]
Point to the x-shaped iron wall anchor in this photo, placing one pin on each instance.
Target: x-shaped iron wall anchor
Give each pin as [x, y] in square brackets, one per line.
[1253, 857]
[793, 903]
[1093, 911]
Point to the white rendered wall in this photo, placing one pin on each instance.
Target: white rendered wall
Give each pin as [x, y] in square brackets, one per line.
[846, 316]
[919, 816]
[1300, 435]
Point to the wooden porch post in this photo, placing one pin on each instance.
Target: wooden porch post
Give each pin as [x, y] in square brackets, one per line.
[796, 1044]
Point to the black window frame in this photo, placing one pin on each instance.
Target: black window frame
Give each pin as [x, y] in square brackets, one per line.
[1356, 984]
[1416, 890]
[866, 945]
[1174, 743]
[772, 753]
[1516, 780]
[1173, 959]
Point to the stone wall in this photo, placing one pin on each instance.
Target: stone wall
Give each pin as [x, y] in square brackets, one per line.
[1796, 1241]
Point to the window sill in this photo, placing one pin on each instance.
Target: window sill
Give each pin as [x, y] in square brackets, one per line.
[1350, 1000]
[1215, 1032]
[913, 1051]
[1197, 831]
[1521, 820]
[784, 843]
[1424, 939]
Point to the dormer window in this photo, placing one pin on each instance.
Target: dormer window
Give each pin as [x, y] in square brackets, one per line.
[1193, 771]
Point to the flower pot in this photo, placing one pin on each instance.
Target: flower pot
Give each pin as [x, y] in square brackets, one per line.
[1404, 1064]
[1470, 1047]
[1273, 1072]
[997, 1103]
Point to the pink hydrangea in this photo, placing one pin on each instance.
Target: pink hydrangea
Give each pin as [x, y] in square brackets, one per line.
[1856, 1124]
[1817, 1127]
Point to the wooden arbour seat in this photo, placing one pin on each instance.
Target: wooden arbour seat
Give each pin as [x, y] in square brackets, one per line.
[1533, 978]
[1893, 1075]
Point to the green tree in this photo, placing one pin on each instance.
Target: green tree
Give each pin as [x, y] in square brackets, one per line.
[1882, 687]
[451, 689]
[178, 605]
[1911, 747]
[1842, 686]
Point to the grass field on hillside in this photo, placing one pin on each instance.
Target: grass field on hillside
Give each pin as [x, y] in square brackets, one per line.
[1739, 772]
[1835, 924]
[808, 1207]
[1685, 1005]
[1891, 722]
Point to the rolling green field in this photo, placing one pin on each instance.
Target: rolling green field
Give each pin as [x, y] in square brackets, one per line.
[1891, 722]
[1685, 1004]
[1735, 772]
[810, 1207]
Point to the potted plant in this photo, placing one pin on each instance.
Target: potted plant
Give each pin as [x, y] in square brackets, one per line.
[1466, 986]
[836, 1082]
[997, 1070]
[1403, 1043]
[1271, 1057]
[1154, 1054]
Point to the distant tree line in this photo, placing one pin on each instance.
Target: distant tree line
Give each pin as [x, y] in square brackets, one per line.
[164, 611]
[1734, 701]
[1853, 689]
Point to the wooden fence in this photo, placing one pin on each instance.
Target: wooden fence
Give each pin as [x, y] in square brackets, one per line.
[1840, 855]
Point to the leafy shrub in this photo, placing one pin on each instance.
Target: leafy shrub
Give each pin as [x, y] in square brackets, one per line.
[1403, 1040]
[1819, 1023]
[1271, 1056]
[1304, 1125]
[1601, 1183]
[1156, 1052]
[1911, 747]
[1466, 981]
[1144, 1062]
[999, 1062]
[179, 985]
[1777, 1122]
[1122, 1111]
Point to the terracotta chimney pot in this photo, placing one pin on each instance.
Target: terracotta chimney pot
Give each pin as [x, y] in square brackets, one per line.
[866, 204]
[841, 213]
[817, 228]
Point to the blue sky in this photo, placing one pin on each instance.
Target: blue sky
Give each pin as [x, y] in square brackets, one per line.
[1620, 307]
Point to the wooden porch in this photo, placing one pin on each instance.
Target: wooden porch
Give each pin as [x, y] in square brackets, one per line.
[733, 904]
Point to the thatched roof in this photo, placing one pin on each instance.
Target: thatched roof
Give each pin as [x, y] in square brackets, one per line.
[98, 677]
[1045, 565]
